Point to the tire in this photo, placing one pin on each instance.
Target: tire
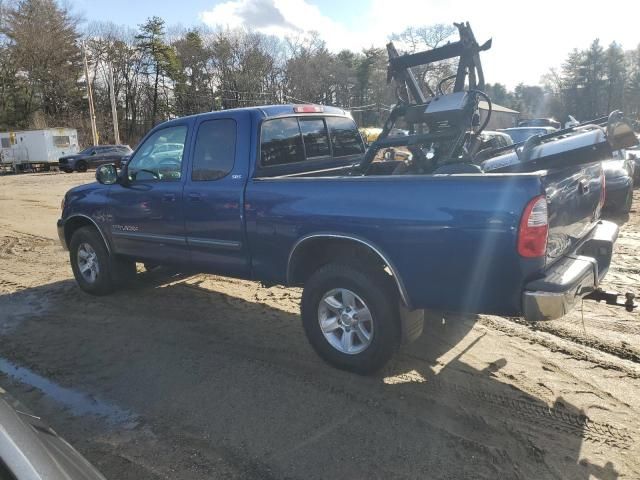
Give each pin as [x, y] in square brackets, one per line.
[371, 289]
[110, 272]
[81, 166]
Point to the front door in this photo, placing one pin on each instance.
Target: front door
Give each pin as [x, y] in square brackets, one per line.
[148, 217]
[214, 194]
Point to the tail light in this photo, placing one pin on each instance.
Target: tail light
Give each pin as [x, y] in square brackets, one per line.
[534, 228]
[308, 109]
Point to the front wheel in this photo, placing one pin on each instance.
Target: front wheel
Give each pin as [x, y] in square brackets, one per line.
[96, 271]
[350, 316]
[82, 166]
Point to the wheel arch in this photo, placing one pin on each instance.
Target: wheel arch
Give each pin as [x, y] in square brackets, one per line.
[77, 221]
[313, 250]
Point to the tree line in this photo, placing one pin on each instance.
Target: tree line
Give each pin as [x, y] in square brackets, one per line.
[591, 83]
[161, 73]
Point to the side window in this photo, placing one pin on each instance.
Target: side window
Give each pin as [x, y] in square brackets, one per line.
[61, 141]
[160, 156]
[215, 149]
[345, 138]
[281, 142]
[314, 135]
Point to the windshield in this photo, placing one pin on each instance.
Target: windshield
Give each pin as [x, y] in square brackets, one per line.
[86, 150]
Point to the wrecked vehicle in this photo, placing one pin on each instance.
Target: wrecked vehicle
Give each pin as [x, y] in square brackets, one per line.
[31, 450]
[287, 194]
[619, 180]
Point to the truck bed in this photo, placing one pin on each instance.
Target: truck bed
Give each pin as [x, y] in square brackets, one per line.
[451, 238]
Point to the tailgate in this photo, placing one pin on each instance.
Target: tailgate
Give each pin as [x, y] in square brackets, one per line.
[574, 204]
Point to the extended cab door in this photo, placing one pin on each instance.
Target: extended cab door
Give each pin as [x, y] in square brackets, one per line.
[214, 194]
[147, 210]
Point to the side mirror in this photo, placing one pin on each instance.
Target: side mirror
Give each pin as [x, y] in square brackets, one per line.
[107, 174]
[93, 152]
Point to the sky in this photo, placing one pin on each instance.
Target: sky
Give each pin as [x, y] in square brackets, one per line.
[528, 38]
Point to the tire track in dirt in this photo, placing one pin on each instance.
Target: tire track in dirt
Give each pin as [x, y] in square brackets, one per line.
[531, 413]
[622, 351]
[517, 328]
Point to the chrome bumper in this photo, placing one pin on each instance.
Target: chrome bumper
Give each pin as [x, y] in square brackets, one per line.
[571, 278]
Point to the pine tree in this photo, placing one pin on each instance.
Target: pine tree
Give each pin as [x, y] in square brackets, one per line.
[160, 63]
[616, 77]
[43, 55]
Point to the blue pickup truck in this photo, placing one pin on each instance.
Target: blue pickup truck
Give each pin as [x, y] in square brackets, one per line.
[272, 194]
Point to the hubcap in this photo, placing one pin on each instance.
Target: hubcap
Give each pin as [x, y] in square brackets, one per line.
[88, 263]
[345, 321]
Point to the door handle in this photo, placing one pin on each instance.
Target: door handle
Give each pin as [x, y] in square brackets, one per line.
[194, 197]
[169, 197]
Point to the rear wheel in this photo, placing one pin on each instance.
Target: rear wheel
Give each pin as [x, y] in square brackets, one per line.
[350, 316]
[82, 166]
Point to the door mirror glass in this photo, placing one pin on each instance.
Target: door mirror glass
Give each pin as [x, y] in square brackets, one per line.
[93, 152]
[107, 174]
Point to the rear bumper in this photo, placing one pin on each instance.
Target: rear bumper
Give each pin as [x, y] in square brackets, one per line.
[571, 278]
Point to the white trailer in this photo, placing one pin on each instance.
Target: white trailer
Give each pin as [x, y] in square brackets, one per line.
[36, 149]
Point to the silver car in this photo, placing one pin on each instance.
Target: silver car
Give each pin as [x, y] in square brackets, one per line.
[31, 450]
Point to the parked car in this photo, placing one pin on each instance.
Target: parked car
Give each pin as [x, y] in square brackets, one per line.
[494, 139]
[491, 140]
[633, 155]
[93, 156]
[521, 134]
[271, 194]
[540, 122]
[619, 185]
[31, 450]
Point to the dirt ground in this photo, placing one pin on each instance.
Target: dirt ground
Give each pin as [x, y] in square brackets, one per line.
[201, 377]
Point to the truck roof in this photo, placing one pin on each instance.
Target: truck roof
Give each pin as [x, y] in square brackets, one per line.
[269, 111]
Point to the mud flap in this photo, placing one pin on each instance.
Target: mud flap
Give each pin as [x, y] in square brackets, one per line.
[411, 323]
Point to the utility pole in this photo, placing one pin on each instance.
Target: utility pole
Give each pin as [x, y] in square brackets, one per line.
[114, 110]
[92, 112]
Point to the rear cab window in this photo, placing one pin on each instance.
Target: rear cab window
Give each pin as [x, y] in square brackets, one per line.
[314, 137]
[293, 145]
[215, 150]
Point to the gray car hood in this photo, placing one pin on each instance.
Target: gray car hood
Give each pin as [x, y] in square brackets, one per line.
[33, 451]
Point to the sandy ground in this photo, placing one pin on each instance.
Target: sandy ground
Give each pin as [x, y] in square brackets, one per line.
[204, 377]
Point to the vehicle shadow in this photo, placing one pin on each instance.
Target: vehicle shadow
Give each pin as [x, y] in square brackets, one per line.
[216, 371]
